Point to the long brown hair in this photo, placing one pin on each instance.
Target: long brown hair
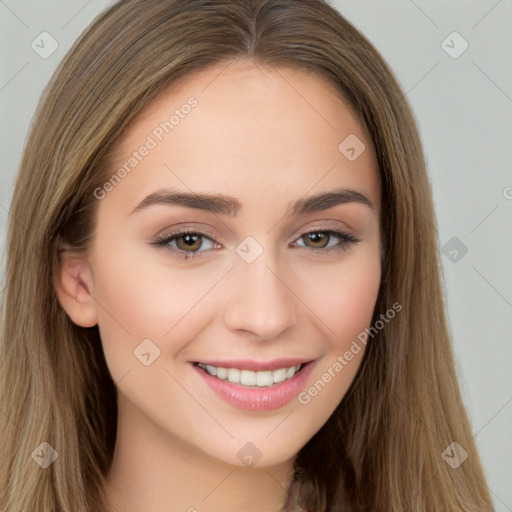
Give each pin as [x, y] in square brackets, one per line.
[381, 450]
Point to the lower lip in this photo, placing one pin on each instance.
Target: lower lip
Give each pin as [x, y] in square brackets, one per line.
[257, 399]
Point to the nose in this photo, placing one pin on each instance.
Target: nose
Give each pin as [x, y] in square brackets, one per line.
[262, 301]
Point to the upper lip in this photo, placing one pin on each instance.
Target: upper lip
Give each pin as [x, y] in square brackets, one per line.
[253, 365]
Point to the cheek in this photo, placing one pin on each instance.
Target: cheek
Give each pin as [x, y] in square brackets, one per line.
[345, 306]
[138, 299]
[345, 296]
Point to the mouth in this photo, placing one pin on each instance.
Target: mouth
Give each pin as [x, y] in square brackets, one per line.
[252, 378]
[256, 385]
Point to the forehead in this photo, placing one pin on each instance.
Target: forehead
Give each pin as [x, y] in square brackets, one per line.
[253, 131]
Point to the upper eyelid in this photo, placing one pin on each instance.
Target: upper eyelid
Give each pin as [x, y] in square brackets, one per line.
[328, 225]
[331, 232]
[211, 236]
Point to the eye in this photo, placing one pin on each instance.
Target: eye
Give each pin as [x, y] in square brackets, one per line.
[322, 238]
[187, 243]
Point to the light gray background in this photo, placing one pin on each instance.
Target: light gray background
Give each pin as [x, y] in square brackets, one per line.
[463, 107]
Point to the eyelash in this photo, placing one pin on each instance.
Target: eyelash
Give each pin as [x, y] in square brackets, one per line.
[347, 240]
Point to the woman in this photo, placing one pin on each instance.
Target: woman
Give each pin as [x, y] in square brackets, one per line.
[299, 361]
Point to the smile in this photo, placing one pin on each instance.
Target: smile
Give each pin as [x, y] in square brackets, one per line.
[256, 386]
[250, 378]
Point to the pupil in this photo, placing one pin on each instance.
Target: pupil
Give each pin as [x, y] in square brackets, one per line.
[190, 240]
[317, 237]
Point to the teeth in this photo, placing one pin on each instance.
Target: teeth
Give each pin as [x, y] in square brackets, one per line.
[234, 375]
[279, 375]
[222, 373]
[248, 378]
[211, 369]
[290, 372]
[264, 378]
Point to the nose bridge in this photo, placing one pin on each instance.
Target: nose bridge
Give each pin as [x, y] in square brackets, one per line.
[261, 301]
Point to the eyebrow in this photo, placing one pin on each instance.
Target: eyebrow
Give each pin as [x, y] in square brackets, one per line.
[227, 205]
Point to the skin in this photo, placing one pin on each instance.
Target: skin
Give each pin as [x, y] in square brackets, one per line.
[267, 137]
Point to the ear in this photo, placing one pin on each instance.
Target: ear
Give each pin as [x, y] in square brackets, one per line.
[74, 286]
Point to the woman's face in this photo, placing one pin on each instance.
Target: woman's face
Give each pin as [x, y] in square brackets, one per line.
[267, 284]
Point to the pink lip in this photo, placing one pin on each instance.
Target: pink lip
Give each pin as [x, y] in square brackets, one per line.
[255, 366]
[257, 399]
